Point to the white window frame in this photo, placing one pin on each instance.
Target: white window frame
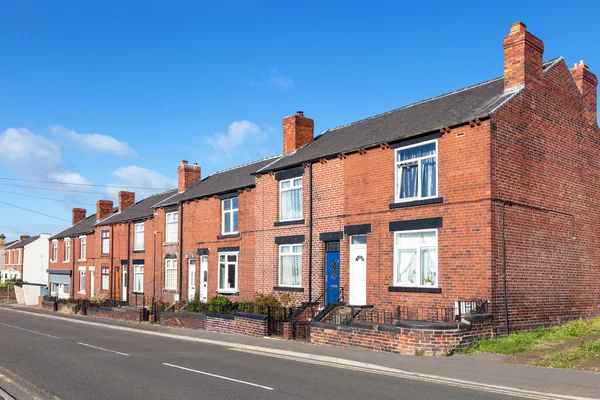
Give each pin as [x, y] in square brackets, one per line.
[237, 262]
[137, 244]
[230, 211]
[82, 272]
[54, 255]
[292, 187]
[398, 175]
[82, 248]
[418, 248]
[174, 221]
[171, 265]
[102, 275]
[294, 254]
[136, 274]
[10, 257]
[102, 239]
[67, 255]
[19, 259]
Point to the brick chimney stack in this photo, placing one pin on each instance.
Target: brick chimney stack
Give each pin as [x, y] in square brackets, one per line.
[588, 86]
[103, 209]
[187, 175]
[23, 237]
[523, 54]
[297, 131]
[126, 199]
[77, 215]
[2, 240]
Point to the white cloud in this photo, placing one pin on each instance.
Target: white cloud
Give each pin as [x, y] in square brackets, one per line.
[241, 137]
[71, 178]
[30, 154]
[134, 176]
[96, 142]
[280, 81]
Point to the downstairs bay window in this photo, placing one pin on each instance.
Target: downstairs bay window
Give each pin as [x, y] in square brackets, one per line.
[416, 258]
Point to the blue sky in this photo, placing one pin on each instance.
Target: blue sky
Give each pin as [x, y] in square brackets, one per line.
[118, 92]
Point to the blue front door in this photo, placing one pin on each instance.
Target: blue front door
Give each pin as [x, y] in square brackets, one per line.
[332, 284]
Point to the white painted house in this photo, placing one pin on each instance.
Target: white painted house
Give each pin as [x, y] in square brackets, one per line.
[35, 262]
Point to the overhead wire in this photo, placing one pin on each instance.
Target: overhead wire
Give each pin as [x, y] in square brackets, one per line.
[78, 184]
[33, 211]
[46, 198]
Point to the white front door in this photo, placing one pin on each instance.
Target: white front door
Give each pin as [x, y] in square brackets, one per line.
[204, 279]
[92, 281]
[358, 270]
[125, 281]
[191, 278]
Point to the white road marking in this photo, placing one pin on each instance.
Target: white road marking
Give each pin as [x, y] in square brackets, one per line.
[103, 349]
[29, 330]
[219, 376]
[441, 380]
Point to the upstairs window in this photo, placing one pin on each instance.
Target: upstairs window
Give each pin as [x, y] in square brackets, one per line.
[67, 250]
[19, 256]
[138, 238]
[105, 242]
[83, 247]
[171, 236]
[290, 199]
[54, 255]
[416, 171]
[230, 216]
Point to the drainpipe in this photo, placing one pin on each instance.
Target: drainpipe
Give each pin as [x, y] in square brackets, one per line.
[504, 267]
[128, 260]
[112, 261]
[310, 232]
[180, 218]
[154, 269]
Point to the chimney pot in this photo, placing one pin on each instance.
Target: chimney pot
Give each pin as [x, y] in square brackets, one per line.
[187, 175]
[297, 131]
[77, 214]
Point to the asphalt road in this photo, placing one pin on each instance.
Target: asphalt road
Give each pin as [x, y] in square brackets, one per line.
[44, 358]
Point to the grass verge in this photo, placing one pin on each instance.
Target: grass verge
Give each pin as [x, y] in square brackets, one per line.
[572, 357]
[525, 341]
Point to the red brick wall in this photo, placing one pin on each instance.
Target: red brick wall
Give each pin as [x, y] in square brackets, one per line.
[238, 323]
[544, 159]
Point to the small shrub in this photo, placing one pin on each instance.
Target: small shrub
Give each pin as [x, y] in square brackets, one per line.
[245, 306]
[286, 299]
[220, 305]
[195, 306]
[266, 300]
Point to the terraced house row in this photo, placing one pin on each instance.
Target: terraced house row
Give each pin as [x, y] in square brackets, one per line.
[490, 192]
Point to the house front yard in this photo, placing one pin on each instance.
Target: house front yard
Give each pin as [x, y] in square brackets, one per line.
[574, 345]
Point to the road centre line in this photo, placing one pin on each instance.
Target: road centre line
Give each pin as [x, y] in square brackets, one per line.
[29, 330]
[103, 349]
[219, 376]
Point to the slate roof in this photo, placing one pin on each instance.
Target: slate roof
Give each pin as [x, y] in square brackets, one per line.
[451, 109]
[83, 227]
[220, 182]
[9, 244]
[19, 244]
[140, 210]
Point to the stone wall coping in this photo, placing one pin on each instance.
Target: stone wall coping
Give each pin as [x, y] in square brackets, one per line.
[478, 317]
[216, 315]
[430, 326]
[241, 314]
[189, 314]
[421, 325]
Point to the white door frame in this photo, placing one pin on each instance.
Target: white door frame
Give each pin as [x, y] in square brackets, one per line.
[191, 278]
[358, 273]
[204, 278]
[92, 271]
[124, 277]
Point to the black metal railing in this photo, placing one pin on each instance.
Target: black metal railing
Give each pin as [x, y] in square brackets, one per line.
[475, 306]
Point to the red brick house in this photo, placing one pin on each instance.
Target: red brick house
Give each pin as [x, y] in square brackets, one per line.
[441, 200]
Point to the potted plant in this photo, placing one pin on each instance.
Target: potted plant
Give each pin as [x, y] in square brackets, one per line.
[428, 281]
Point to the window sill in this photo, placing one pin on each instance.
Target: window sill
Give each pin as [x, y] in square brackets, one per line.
[64, 262]
[228, 292]
[228, 236]
[80, 292]
[82, 259]
[415, 289]
[292, 222]
[174, 291]
[138, 251]
[288, 289]
[412, 203]
[170, 243]
[137, 292]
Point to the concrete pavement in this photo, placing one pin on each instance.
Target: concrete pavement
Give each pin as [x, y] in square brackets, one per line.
[312, 377]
